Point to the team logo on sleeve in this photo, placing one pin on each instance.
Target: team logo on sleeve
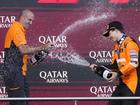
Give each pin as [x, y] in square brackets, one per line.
[133, 57]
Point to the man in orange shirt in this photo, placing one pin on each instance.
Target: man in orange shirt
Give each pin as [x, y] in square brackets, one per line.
[125, 62]
[15, 63]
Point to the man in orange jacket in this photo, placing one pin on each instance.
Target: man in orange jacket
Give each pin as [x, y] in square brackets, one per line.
[15, 62]
[125, 59]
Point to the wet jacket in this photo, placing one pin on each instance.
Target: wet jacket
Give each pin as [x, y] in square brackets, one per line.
[15, 64]
[126, 56]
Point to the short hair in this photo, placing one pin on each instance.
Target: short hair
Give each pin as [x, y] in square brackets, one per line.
[24, 12]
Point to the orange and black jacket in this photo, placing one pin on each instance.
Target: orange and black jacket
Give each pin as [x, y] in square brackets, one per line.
[15, 63]
[14, 38]
[125, 58]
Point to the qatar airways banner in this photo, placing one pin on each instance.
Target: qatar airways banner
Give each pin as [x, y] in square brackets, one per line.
[76, 27]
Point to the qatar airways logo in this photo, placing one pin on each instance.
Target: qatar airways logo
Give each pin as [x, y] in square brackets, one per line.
[101, 56]
[2, 54]
[58, 41]
[102, 91]
[6, 21]
[54, 76]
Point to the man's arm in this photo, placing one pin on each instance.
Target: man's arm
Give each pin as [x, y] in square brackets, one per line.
[26, 49]
[132, 50]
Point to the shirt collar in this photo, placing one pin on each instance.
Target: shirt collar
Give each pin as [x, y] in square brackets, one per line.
[122, 39]
[20, 25]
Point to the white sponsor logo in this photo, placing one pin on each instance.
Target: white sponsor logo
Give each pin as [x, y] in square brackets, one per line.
[58, 41]
[101, 56]
[54, 76]
[102, 91]
[139, 38]
[6, 21]
[2, 54]
[3, 93]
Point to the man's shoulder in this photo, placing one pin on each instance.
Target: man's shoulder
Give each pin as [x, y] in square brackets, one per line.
[128, 39]
[16, 27]
[15, 24]
[130, 42]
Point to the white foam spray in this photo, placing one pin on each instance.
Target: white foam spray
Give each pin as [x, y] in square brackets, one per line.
[90, 20]
[69, 55]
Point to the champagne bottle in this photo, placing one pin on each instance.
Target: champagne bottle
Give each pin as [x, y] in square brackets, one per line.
[103, 71]
[38, 57]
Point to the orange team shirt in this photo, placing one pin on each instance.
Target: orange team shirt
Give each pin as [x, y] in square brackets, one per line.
[16, 33]
[128, 62]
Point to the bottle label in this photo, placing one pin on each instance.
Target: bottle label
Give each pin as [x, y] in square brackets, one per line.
[105, 74]
[33, 60]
